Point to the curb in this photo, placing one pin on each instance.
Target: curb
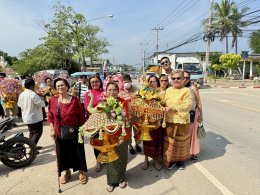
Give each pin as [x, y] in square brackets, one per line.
[238, 87]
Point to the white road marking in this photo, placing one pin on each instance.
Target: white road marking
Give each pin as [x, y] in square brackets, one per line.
[224, 100]
[213, 179]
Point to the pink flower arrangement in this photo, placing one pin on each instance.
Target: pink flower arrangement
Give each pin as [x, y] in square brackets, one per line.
[64, 75]
[10, 86]
[39, 77]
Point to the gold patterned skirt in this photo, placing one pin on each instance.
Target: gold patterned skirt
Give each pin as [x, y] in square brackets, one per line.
[176, 143]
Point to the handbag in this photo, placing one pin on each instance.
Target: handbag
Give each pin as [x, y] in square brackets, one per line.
[201, 133]
[192, 116]
[67, 132]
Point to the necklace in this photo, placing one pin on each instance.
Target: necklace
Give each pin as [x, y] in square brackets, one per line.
[65, 100]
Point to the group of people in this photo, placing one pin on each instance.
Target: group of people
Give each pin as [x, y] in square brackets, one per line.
[72, 106]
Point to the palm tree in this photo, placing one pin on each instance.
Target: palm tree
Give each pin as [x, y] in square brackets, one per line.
[237, 23]
[221, 20]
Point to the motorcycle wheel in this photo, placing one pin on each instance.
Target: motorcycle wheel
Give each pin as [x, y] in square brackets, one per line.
[22, 151]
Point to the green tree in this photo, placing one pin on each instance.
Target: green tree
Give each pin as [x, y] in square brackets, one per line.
[221, 19]
[254, 41]
[69, 39]
[10, 59]
[237, 23]
[229, 61]
[214, 57]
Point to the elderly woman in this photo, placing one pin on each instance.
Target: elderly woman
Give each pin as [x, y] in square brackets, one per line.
[49, 89]
[66, 110]
[116, 169]
[178, 102]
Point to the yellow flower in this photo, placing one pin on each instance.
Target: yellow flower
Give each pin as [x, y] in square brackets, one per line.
[149, 95]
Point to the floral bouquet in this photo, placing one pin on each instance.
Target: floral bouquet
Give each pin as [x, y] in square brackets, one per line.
[148, 94]
[107, 120]
[39, 77]
[147, 108]
[10, 86]
[109, 117]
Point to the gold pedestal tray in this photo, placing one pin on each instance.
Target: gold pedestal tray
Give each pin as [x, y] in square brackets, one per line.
[106, 147]
[144, 132]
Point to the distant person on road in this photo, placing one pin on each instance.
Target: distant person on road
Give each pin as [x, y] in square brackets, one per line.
[128, 94]
[166, 66]
[31, 105]
[196, 116]
[49, 90]
[95, 87]
[178, 102]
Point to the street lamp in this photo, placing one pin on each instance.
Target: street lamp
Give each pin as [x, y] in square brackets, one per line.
[244, 55]
[108, 16]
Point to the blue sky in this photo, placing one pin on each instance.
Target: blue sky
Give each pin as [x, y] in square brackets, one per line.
[131, 24]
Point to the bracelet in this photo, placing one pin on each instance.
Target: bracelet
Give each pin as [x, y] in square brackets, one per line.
[52, 129]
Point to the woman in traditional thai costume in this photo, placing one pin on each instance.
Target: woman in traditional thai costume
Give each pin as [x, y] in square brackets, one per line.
[70, 153]
[196, 117]
[95, 86]
[116, 169]
[178, 102]
[154, 148]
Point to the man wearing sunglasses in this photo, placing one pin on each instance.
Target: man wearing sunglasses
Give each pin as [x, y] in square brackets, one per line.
[166, 65]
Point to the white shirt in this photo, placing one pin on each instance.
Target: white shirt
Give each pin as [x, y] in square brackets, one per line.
[31, 105]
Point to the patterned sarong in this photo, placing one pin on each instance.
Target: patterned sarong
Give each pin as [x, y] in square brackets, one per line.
[176, 143]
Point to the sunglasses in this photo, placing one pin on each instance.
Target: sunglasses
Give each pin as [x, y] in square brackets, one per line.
[165, 62]
[176, 78]
[187, 78]
[163, 80]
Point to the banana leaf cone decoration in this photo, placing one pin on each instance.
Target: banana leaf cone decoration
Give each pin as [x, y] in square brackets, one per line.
[99, 123]
[148, 112]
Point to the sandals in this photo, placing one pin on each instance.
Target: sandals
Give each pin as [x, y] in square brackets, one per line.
[66, 178]
[98, 168]
[157, 166]
[122, 185]
[145, 165]
[110, 188]
[83, 179]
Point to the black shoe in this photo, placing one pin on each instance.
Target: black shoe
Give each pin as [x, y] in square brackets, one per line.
[171, 165]
[194, 158]
[39, 147]
[138, 148]
[132, 151]
[181, 165]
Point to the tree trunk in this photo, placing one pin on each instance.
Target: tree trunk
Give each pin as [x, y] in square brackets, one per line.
[236, 45]
[226, 44]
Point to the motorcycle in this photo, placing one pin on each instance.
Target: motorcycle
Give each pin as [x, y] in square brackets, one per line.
[18, 151]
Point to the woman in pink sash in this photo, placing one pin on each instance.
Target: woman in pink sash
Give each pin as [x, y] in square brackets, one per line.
[196, 117]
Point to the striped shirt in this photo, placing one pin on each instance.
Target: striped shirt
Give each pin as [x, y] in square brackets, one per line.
[79, 86]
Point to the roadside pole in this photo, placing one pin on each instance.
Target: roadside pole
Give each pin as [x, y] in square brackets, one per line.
[208, 35]
[244, 55]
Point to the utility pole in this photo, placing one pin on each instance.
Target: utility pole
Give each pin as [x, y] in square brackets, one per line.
[143, 45]
[208, 45]
[157, 44]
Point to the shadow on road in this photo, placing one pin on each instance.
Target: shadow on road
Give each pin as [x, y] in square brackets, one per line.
[214, 146]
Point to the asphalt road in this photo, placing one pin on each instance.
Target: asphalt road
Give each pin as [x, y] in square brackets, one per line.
[229, 162]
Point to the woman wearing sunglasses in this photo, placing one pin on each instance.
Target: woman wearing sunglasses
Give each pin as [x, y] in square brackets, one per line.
[178, 102]
[196, 117]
